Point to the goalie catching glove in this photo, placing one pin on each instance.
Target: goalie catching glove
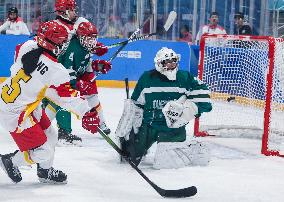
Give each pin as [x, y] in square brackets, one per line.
[179, 112]
[102, 66]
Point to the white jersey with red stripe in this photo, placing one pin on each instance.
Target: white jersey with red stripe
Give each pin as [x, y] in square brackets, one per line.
[23, 93]
[15, 27]
[209, 29]
[71, 28]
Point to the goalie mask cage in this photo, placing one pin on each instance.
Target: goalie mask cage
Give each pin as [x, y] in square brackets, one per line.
[245, 75]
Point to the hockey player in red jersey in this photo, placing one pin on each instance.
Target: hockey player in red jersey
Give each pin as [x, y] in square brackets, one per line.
[67, 15]
[36, 74]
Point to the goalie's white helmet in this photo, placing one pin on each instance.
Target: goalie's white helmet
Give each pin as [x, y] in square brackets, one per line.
[163, 57]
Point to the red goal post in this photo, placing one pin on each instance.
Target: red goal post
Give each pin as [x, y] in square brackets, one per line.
[245, 75]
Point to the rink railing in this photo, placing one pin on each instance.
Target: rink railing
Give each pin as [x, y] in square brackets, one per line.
[132, 61]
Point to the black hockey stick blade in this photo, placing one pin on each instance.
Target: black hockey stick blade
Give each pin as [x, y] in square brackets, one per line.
[178, 193]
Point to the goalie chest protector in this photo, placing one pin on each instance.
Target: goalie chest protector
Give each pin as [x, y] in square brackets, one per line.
[154, 91]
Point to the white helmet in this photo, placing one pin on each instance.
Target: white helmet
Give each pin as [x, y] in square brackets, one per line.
[160, 60]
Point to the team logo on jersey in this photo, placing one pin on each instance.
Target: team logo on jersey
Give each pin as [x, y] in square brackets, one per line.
[159, 104]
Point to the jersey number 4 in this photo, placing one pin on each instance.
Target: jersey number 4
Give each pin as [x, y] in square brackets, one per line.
[10, 93]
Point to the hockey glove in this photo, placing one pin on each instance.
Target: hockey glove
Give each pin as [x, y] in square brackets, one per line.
[90, 121]
[88, 76]
[178, 113]
[86, 87]
[100, 49]
[102, 66]
[65, 90]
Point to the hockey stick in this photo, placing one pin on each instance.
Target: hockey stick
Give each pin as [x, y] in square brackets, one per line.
[178, 193]
[118, 50]
[126, 87]
[168, 24]
[132, 36]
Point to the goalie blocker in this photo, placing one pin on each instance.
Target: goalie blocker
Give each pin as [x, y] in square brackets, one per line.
[164, 100]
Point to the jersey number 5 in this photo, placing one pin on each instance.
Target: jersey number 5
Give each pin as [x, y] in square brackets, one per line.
[10, 93]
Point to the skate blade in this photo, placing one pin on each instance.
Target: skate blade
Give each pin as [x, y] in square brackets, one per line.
[47, 181]
[63, 143]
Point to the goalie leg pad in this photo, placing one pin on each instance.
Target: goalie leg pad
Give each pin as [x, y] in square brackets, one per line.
[180, 154]
[132, 117]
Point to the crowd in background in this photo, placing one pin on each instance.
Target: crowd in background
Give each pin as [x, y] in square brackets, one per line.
[121, 26]
[116, 29]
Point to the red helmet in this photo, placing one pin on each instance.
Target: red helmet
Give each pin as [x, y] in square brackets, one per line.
[63, 5]
[63, 8]
[87, 35]
[52, 36]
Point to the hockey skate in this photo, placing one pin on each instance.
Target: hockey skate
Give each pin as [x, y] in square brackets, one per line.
[51, 176]
[66, 138]
[8, 166]
[106, 129]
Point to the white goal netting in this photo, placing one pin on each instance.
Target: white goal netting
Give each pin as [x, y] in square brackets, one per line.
[246, 78]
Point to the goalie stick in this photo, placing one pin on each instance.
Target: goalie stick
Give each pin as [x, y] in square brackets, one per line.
[127, 97]
[168, 24]
[177, 193]
[126, 87]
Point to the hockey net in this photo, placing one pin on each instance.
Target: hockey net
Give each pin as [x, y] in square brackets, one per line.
[245, 75]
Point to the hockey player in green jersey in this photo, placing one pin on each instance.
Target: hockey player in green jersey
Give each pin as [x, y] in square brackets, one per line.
[164, 100]
[77, 59]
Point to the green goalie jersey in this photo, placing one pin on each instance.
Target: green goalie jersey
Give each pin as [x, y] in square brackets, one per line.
[154, 90]
[77, 64]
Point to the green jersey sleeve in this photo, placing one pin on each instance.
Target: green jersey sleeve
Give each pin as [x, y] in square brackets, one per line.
[199, 94]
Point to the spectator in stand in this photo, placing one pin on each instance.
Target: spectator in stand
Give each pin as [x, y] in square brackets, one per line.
[185, 35]
[147, 25]
[211, 28]
[243, 28]
[113, 29]
[37, 21]
[129, 27]
[14, 24]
